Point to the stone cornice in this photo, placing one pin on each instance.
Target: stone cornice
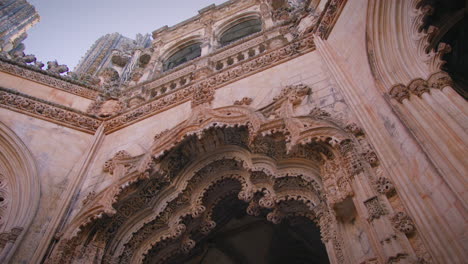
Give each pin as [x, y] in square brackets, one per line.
[48, 111]
[215, 81]
[43, 77]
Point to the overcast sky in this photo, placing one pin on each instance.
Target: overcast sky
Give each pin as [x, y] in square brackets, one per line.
[68, 28]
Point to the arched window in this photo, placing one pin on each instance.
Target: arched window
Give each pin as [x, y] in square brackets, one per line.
[240, 30]
[185, 54]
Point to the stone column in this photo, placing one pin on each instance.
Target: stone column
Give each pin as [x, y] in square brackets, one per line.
[423, 205]
[439, 123]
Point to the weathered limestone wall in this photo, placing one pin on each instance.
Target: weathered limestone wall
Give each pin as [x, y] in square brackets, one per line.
[431, 203]
[44, 92]
[57, 151]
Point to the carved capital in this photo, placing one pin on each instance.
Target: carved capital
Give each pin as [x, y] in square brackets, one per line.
[439, 80]
[399, 92]
[418, 87]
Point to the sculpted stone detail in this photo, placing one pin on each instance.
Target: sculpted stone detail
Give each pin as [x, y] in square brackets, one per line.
[336, 181]
[385, 186]
[48, 111]
[54, 67]
[191, 169]
[11, 236]
[399, 92]
[243, 101]
[354, 129]
[371, 158]
[327, 21]
[4, 198]
[266, 60]
[375, 208]
[418, 87]
[111, 164]
[402, 222]
[440, 80]
[57, 82]
[202, 94]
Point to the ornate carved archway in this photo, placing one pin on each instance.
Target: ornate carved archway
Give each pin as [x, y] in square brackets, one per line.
[279, 165]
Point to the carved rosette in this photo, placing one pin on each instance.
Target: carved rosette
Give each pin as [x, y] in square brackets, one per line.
[375, 208]
[402, 222]
[385, 186]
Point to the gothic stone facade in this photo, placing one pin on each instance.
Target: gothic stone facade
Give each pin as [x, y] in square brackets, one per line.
[336, 113]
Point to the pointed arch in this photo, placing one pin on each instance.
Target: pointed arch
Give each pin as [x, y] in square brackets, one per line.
[19, 191]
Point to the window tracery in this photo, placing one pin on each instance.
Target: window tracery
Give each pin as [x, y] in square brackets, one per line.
[182, 56]
[240, 30]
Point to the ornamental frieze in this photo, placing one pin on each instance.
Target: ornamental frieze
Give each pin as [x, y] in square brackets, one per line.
[48, 111]
[260, 63]
[43, 78]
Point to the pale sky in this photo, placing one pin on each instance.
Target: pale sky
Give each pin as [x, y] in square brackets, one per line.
[68, 28]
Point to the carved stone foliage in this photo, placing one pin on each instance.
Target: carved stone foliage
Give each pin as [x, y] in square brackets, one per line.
[402, 222]
[48, 111]
[243, 101]
[418, 87]
[110, 165]
[329, 18]
[202, 94]
[232, 151]
[264, 61]
[375, 208]
[337, 183]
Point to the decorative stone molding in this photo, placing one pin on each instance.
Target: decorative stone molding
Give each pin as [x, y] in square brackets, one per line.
[243, 101]
[42, 77]
[375, 208]
[262, 62]
[329, 17]
[19, 174]
[48, 111]
[402, 222]
[228, 137]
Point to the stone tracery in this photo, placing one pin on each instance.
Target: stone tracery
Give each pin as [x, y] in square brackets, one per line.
[273, 163]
